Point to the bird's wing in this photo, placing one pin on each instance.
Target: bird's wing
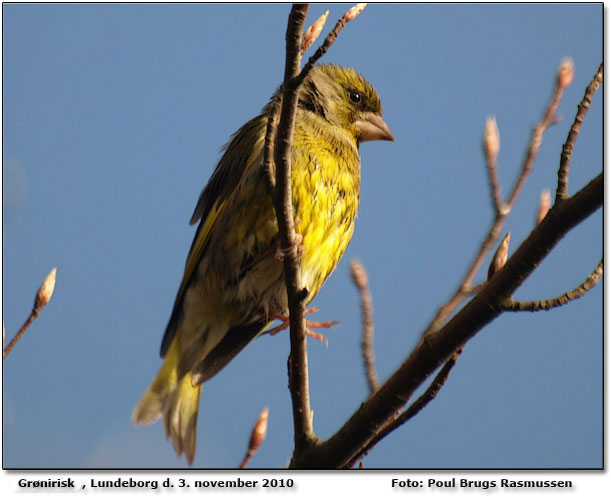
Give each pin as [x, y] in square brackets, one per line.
[241, 154]
[232, 343]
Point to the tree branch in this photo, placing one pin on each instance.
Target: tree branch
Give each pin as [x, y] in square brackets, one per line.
[414, 409]
[281, 197]
[436, 348]
[578, 292]
[280, 187]
[567, 149]
[501, 214]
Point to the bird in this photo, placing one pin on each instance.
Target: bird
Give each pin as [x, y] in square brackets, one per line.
[233, 285]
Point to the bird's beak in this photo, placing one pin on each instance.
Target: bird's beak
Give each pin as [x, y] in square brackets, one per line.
[373, 127]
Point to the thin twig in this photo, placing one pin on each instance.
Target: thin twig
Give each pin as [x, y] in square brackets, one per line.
[329, 40]
[496, 228]
[549, 118]
[359, 276]
[281, 197]
[464, 288]
[21, 332]
[567, 149]
[268, 150]
[578, 292]
[429, 395]
[492, 144]
[42, 298]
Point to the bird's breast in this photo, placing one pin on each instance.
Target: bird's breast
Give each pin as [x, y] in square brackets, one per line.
[325, 192]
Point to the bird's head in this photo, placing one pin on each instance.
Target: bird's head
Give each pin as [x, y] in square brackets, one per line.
[345, 98]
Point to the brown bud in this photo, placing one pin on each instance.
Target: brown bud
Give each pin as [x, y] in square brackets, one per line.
[545, 203]
[566, 73]
[492, 139]
[358, 273]
[312, 33]
[46, 291]
[500, 257]
[259, 431]
[354, 11]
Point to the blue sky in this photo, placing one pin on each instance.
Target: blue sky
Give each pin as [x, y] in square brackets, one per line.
[113, 120]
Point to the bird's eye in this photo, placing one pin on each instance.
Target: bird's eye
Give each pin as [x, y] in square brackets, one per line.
[355, 97]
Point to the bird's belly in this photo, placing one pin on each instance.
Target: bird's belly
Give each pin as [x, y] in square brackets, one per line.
[326, 223]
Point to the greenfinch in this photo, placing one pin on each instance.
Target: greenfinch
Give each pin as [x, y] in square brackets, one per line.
[233, 285]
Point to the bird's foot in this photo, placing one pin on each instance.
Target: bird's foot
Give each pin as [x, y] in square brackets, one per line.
[309, 325]
[280, 253]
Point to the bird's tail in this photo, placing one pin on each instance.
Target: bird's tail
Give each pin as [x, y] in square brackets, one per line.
[175, 399]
